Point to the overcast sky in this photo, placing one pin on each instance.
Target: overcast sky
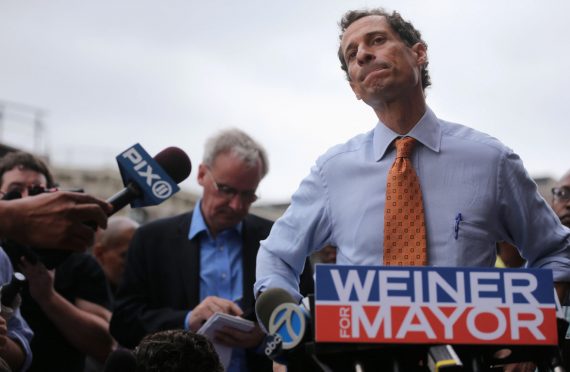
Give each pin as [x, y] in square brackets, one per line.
[111, 73]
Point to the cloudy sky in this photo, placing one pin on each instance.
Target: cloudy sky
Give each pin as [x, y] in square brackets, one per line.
[110, 73]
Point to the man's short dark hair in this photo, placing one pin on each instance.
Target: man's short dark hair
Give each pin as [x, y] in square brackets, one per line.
[405, 30]
[25, 160]
[177, 350]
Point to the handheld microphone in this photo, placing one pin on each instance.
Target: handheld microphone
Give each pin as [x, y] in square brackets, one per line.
[287, 325]
[9, 295]
[268, 301]
[9, 291]
[174, 161]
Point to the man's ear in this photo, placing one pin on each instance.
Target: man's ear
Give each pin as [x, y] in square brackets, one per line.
[420, 51]
[98, 252]
[202, 169]
[356, 90]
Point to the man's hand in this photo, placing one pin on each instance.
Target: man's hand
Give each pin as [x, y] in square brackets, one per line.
[279, 367]
[40, 280]
[236, 338]
[84, 324]
[54, 220]
[208, 307]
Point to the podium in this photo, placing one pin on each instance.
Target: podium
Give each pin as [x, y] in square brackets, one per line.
[375, 318]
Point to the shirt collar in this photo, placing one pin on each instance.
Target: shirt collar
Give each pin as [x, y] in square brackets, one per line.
[427, 131]
[198, 224]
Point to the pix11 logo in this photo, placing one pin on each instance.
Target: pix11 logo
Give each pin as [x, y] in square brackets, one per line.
[378, 304]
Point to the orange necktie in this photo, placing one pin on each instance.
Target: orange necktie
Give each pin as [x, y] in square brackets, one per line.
[404, 222]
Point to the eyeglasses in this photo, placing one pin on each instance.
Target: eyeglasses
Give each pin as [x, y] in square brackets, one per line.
[228, 192]
[19, 190]
[561, 193]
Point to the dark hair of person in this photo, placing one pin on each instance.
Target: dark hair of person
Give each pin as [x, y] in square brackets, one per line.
[176, 350]
[405, 30]
[24, 160]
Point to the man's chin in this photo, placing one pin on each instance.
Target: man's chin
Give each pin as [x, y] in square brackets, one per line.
[227, 221]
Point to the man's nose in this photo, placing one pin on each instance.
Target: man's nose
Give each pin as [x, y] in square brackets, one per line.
[364, 55]
[236, 202]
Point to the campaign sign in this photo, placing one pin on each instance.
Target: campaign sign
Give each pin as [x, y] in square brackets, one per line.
[137, 166]
[380, 304]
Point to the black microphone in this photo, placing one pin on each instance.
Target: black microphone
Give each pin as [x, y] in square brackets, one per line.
[288, 329]
[9, 291]
[268, 301]
[120, 360]
[174, 161]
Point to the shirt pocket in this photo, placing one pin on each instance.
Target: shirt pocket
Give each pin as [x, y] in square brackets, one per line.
[473, 244]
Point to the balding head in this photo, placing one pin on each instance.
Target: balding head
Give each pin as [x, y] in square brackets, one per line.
[111, 246]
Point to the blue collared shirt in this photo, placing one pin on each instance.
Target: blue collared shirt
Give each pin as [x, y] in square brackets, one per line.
[461, 171]
[221, 269]
[18, 329]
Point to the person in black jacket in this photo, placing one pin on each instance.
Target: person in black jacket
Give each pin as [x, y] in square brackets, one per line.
[183, 269]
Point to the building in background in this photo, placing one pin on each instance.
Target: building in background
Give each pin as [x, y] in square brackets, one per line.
[24, 124]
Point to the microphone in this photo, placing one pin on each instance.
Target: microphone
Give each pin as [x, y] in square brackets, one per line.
[9, 291]
[9, 298]
[286, 324]
[443, 358]
[173, 160]
[280, 315]
[268, 301]
[120, 360]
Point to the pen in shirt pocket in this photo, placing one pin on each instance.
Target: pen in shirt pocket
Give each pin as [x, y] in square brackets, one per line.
[458, 219]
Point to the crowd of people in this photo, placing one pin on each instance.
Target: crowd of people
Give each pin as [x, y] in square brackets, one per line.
[97, 284]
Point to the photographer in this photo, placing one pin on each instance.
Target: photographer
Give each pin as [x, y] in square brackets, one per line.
[67, 299]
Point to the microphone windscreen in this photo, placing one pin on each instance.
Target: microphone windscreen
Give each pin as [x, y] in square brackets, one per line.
[268, 301]
[120, 360]
[175, 162]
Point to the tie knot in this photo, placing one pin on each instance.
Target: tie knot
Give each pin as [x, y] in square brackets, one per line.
[404, 147]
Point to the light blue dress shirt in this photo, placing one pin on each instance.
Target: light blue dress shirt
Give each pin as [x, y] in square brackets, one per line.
[18, 329]
[462, 172]
[221, 269]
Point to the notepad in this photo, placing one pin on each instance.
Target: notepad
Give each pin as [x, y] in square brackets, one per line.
[217, 322]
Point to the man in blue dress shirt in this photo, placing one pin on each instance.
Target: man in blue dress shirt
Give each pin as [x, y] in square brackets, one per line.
[183, 269]
[475, 190]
